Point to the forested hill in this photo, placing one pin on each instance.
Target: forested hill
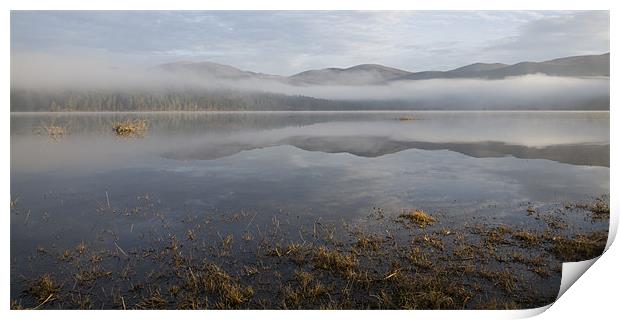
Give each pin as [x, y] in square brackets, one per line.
[158, 100]
[28, 100]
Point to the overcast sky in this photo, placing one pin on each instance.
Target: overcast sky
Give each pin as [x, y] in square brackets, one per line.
[288, 42]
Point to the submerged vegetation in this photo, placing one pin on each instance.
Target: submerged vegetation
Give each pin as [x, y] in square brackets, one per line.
[52, 131]
[375, 264]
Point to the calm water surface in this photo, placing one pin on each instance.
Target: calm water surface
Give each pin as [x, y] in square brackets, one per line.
[313, 165]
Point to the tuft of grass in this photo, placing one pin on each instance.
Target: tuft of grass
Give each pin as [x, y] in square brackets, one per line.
[154, 301]
[81, 248]
[333, 260]
[304, 278]
[503, 279]
[372, 242]
[496, 235]
[579, 248]
[407, 118]
[131, 128]
[600, 207]
[307, 292]
[599, 210]
[430, 240]
[43, 288]
[527, 238]
[217, 281]
[419, 217]
[419, 259]
[294, 251]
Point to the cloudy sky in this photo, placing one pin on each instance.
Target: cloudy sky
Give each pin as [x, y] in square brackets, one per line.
[288, 42]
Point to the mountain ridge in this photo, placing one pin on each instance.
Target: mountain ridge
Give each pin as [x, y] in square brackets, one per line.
[376, 74]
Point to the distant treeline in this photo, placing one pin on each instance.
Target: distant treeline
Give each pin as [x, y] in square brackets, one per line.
[179, 100]
[233, 100]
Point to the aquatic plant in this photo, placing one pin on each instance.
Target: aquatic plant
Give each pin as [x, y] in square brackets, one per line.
[419, 217]
[131, 128]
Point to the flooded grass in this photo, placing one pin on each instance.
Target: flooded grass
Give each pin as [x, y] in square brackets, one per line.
[407, 118]
[418, 217]
[316, 265]
[131, 128]
[332, 260]
[43, 289]
[574, 249]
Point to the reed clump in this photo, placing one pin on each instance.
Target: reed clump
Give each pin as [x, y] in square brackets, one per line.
[131, 128]
[419, 217]
[44, 288]
[331, 259]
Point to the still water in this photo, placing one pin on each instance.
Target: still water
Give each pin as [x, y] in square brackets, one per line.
[334, 166]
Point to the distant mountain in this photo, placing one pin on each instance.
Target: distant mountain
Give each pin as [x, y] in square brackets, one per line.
[577, 66]
[362, 74]
[374, 74]
[212, 70]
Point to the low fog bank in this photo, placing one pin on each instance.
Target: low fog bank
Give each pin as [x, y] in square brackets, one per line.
[42, 82]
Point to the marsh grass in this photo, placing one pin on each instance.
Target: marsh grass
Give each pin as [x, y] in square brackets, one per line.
[44, 288]
[580, 247]
[504, 279]
[131, 128]
[316, 266]
[368, 241]
[526, 238]
[332, 260]
[53, 131]
[307, 291]
[418, 217]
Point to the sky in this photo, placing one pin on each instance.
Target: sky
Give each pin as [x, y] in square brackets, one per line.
[288, 42]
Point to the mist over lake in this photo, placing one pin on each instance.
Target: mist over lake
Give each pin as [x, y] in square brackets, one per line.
[345, 160]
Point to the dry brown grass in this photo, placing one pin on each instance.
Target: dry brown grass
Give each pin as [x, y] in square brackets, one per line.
[580, 247]
[331, 259]
[419, 217]
[368, 242]
[526, 238]
[308, 292]
[44, 288]
[503, 279]
[357, 269]
[153, 302]
[419, 258]
[131, 128]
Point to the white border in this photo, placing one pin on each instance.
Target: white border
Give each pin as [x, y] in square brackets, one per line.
[593, 295]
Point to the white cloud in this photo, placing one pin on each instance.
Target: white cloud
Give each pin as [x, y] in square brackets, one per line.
[287, 42]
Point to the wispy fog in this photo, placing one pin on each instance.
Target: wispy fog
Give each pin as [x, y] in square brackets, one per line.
[77, 72]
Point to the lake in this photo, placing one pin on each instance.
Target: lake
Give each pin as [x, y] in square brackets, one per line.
[304, 209]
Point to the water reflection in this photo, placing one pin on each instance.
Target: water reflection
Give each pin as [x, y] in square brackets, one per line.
[90, 186]
[268, 161]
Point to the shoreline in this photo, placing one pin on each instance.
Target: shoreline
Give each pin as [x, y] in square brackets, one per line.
[307, 111]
